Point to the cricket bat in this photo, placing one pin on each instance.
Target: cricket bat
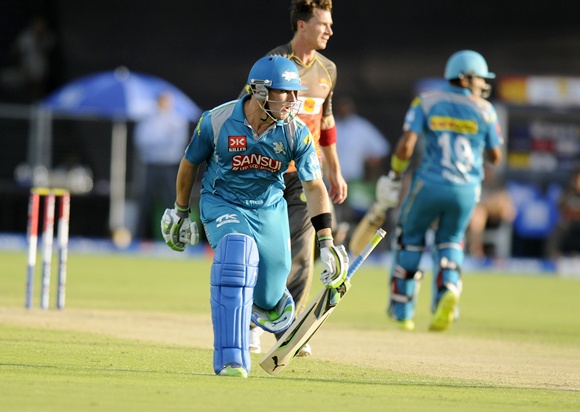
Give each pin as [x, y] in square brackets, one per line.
[367, 227]
[300, 332]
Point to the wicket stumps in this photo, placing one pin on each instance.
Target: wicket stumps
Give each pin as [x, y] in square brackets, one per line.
[50, 196]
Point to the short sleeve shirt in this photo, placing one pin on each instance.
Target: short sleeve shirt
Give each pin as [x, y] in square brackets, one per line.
[244, 168]
[457, 128]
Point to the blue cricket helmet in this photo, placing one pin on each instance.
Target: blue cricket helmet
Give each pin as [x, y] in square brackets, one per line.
[467, 63]
[275, 72]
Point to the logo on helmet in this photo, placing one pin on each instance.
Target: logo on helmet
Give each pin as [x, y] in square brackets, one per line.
[289, 75]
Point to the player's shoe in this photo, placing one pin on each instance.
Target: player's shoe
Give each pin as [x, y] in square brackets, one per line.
[254, 339]
[277, 319]
[406, 324]
[234, 370]
[445, 312]
[402, 324]
[304, 351]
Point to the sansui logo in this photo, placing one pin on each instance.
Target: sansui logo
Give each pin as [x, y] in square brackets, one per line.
[255, 161]
[237, 143]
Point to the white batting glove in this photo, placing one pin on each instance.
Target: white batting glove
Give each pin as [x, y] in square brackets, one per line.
[335, 261]
[388, 190]
[177, 230]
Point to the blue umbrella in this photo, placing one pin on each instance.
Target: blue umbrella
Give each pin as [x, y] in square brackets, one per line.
[120, 95]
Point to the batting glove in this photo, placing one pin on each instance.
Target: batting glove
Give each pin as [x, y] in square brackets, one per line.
[335, 262]
[388, 190]
[177, 230]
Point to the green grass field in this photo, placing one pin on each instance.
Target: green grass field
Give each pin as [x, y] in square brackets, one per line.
[136, 336]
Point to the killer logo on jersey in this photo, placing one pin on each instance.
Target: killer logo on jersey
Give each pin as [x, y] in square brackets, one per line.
[237, 143]
[256, 162]
[322, 82]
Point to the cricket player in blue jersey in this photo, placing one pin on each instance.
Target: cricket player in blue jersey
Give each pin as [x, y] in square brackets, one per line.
[247, 144]
[459, 128]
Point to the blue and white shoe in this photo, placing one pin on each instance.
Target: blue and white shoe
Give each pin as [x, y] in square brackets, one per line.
[277, 319]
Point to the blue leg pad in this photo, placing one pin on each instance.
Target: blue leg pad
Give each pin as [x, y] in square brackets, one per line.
[404, 284]
[448, 277]
[233, 276]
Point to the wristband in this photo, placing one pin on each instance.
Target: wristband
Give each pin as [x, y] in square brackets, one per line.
[322, 221]
[182, 211]
[399, 165]
[325, 241]
[328, 136]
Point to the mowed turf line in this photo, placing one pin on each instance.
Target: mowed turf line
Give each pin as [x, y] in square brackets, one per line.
[44, 369]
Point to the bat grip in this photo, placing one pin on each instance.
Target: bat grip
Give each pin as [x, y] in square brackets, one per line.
[380, 235]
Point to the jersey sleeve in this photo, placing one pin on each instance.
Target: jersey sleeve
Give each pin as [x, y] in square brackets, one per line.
[494, 136]
[305, 157]
[202, 143]
[333, 75]
[415, 117]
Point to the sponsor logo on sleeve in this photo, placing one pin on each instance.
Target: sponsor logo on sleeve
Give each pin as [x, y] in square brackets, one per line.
[198, 128]
[309, 105]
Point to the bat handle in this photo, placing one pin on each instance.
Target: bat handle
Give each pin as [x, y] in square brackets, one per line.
[380, 235]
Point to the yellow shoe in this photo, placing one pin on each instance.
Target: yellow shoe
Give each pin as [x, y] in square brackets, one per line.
[234, 370]
[445, 312]
[407, 324]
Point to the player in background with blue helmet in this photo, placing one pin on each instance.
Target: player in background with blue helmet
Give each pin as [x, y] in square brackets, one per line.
[247, 144]
[460, 130]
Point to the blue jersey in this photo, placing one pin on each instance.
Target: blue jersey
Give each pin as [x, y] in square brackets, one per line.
[246, 169]
[457, 128]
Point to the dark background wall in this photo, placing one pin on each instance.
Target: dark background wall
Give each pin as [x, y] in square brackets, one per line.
[381, 47]
[206, 48]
